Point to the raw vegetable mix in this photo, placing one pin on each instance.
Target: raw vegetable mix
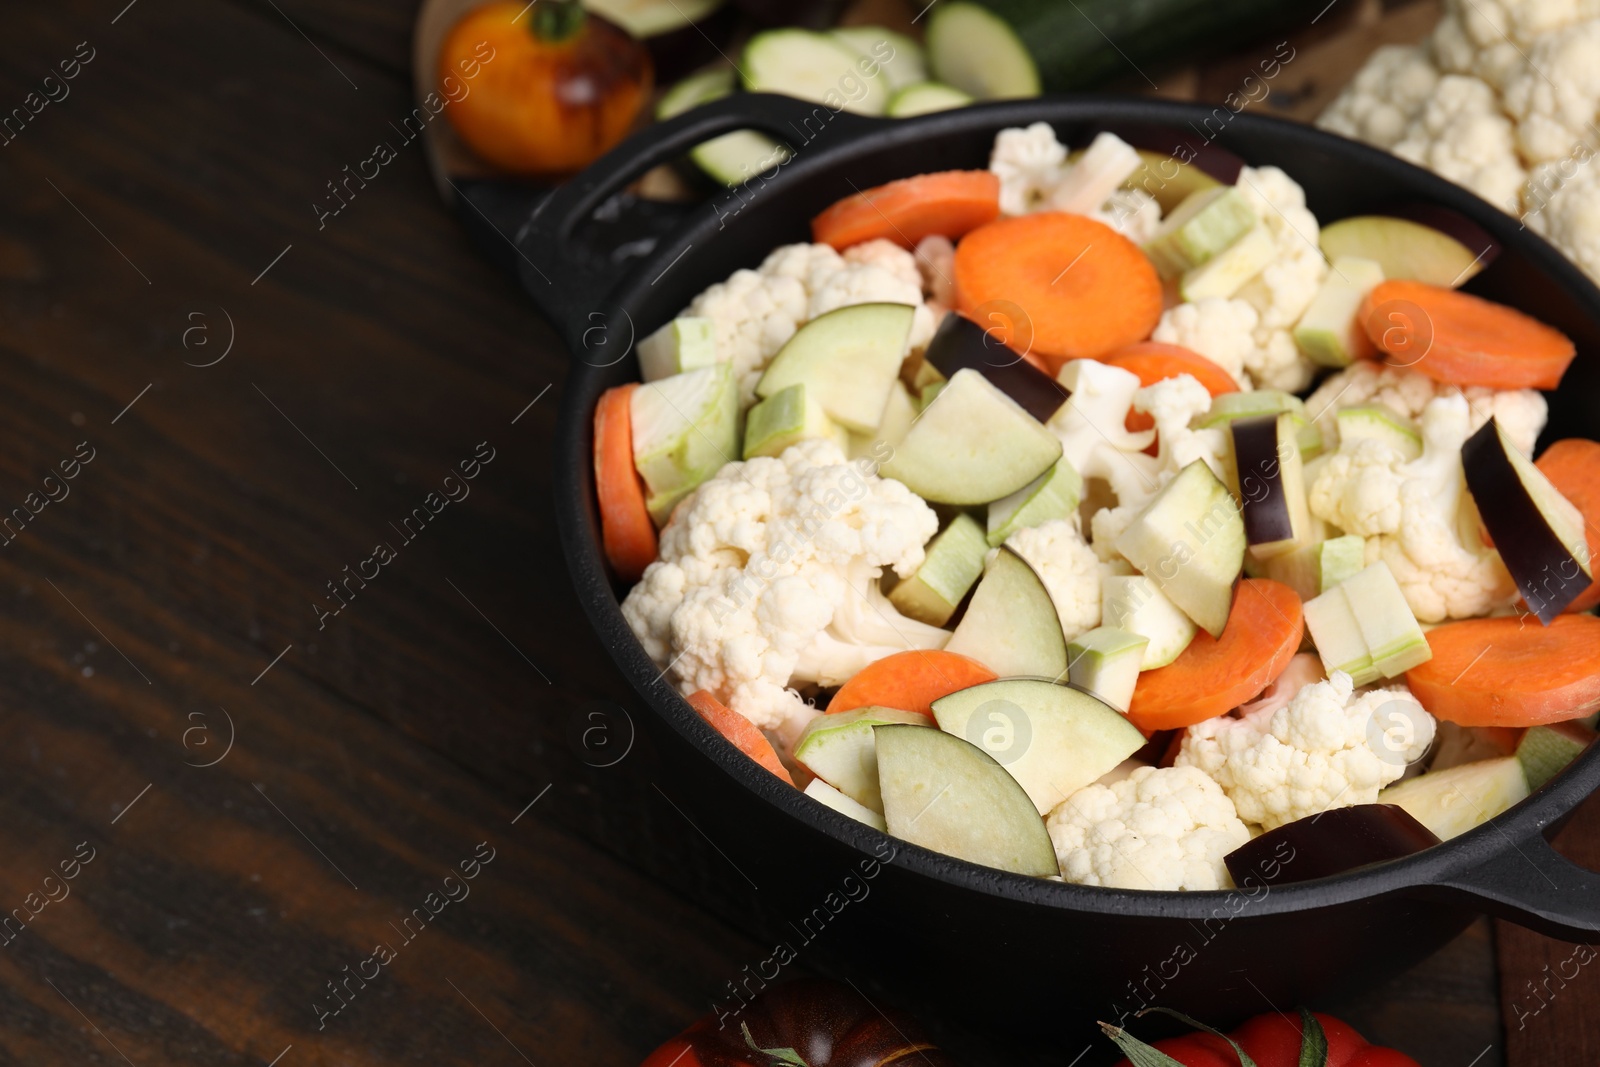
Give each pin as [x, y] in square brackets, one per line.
[1129, 524]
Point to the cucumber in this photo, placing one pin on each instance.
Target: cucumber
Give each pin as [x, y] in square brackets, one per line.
[906, 64]
[733, 157]
[815, 67]
[1202, 226]
[1330, 331]
[979, 53]
[1223, 274]
[924, 98]
[786, 417]
[1394, 640]
[1331, 622]
[684, 429]
[652, 18]
[1064, 46]
[684, 344]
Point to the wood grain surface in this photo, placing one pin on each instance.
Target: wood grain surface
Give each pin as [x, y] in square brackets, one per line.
[251, 792]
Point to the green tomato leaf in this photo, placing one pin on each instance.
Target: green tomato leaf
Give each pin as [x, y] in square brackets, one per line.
[1244, 1057]
[1313, 1042]
[1139, 1054]
[788, 1057]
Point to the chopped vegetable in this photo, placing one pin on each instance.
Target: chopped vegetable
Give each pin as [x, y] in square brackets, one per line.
[1508, 672]
[1086, 290]
[910, 681]
[625, 527]
[1214, 675]
[739, 731]
[1154, 361]
[555, 87]
[950, 204]
[1573, 467]
[1270, 1040]
[1454, 801]
[1456, 337]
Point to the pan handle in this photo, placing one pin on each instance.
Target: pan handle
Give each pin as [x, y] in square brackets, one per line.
[1531, 884]
[567, 280]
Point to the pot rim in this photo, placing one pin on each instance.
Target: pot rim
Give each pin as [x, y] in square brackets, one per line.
[1446, 869]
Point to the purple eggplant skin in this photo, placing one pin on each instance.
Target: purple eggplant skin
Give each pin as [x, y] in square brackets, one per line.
[1453, 225]
[960, 344]
[1327, 844]
[1546, 574]
[1262, 499]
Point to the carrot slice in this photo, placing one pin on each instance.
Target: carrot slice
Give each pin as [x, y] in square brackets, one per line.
[910, 681]
[1215, 675]
[625, 527]
[1573, 467]
[1153, 361]
[739, 731]
[1463, 339]
[1511, 671]
[1085, 289]
[948, 203]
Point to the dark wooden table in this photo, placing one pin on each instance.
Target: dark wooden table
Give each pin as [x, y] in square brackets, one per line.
[251, 791]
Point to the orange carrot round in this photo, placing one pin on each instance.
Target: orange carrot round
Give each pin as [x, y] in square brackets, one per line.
[910, 681]
[625, 527]
[1511, 671]
[740, 731]
[1215, 675]
[1086, 289]
[1154, 361]
[1463, 339]
[1573, 467]
[948, 203]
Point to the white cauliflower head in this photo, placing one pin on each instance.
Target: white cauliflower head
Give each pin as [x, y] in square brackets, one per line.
[1029, 164]
[1437, 554]
[1520, 412]
[1462, 134]
[1160, 828]
[1383, 97]
[1284, 289]
[767, 578]
[1563, 206]
[1069, 569]
[1315, 754]
[1555, 93]
[1092, 426]
[1133, 213]
[1173, 403]
[1357, 488]
[1220, 329]
[753, 315]
[874, 272]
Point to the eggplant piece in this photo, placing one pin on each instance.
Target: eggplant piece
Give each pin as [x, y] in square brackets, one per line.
[960, 343]
[1327, 844]
[1537, 531]
[1271, 481]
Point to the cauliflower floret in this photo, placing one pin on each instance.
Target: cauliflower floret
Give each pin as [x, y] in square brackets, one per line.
[1563, 205]
[1069, 569]
[1437, 555]
[1133, 213]
[1222, 330]
[1357, 488]
[880, 252]
[1165, 828]
[1284, 289]
[1312, 755]
[1456, 52]
[1383, 96]
[936, 260]
[1092, 426]
[872, 282]
[1555, 92]
[767, 578]
[1463, 135]
[1173, 403]
[1520, 412]
[1028, 163]
[753, 315]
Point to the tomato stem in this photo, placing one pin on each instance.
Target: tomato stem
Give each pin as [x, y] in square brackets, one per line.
[555, 21]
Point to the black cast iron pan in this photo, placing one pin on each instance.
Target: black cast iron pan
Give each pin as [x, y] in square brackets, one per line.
[1025, 959]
